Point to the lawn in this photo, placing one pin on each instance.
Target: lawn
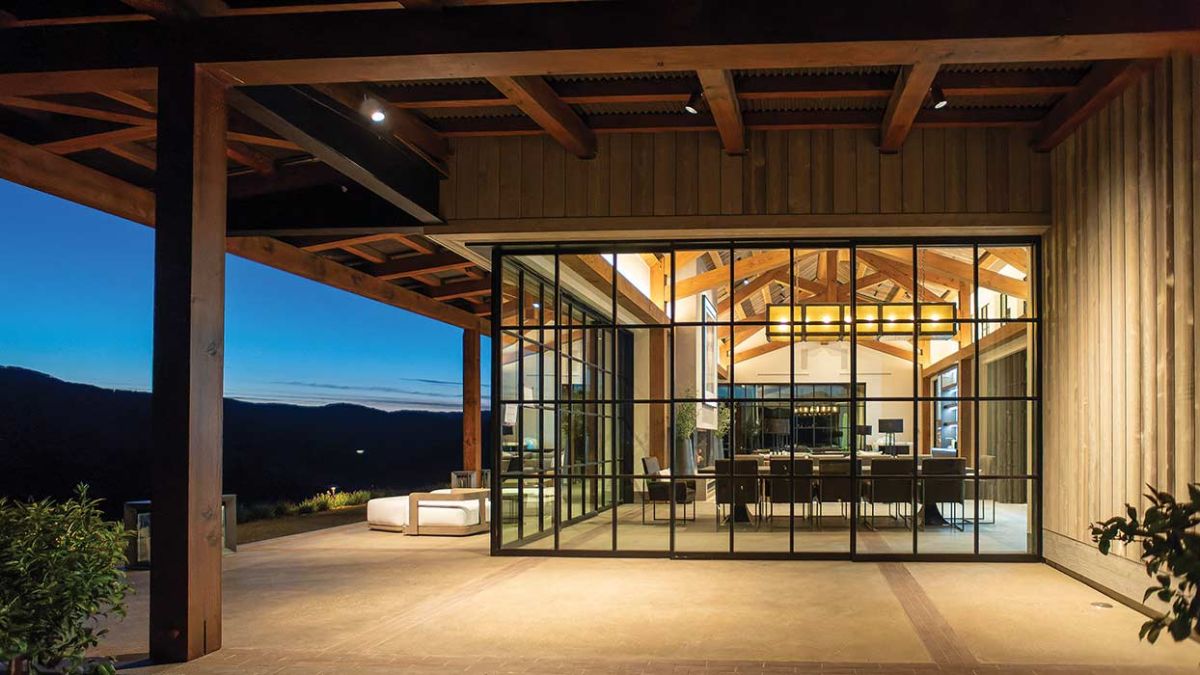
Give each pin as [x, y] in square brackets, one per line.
[269, 528]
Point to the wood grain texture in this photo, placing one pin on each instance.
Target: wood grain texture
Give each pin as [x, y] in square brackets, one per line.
[1120, 301]
[785, 172]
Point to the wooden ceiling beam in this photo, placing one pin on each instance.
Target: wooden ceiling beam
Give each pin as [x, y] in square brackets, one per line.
[59, 176]
[138, 154]
[912, 86]
[622, 38]
[104, 139]
[743, 268]
[345, 142]
[406, 127]
[598, 272]
[1018, 257]
[539, 101]
[465, 127]
[129, 99]
[1104, 82]
[758, 87]
[723, 104]
[412, 266]
[75, 110]
[462, 289]
[248, 157]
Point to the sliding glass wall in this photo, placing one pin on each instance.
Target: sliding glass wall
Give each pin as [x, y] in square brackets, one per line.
[752, 399]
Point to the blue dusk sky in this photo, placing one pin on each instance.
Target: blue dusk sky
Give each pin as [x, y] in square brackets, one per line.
[76, 302]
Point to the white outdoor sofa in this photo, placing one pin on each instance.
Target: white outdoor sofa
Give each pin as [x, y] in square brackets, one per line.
[450, 511]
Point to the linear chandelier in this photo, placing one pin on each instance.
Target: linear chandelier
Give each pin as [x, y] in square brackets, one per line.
[831, 321]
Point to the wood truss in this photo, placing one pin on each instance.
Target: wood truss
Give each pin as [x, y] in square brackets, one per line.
[311, 167]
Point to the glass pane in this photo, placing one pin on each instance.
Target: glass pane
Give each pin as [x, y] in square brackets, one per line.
[703, 442]
[510, 305]
[1006, 439]
[1005, 288]
[1007, 510]
[698, 273]
[1006, 366]
[642, 287]
[945, 516]
[887, 505]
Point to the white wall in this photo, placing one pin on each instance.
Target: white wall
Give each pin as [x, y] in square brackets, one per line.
[884, 375]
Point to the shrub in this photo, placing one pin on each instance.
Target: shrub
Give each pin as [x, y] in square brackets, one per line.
[59, 571]
[1167, 533]
[324, 501]
[251, 512]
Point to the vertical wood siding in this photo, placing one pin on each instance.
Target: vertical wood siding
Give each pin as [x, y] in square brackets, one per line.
[1120, 303]
[784, 172]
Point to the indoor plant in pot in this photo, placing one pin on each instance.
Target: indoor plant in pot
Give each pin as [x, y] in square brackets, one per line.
[59, 572]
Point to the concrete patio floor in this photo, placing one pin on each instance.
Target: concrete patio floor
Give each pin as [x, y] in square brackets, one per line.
[351, 600]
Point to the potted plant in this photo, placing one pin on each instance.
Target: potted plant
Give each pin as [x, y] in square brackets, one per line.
[685, 429]
[1171, 552]
[59, 572]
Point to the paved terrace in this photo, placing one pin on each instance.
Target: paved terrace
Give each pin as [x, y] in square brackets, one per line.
[350, 600]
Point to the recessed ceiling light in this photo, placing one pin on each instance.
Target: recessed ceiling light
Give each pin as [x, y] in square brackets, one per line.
[378, 116]
[693, 103]
[939, 98]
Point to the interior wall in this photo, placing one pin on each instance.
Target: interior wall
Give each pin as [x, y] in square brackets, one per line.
[883, 374]
[784, 172]
[1120, 303]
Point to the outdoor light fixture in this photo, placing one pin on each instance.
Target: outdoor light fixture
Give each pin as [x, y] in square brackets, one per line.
[378, 115]
[831, 321]
[939, 98]
[360, 451]
[693, 103]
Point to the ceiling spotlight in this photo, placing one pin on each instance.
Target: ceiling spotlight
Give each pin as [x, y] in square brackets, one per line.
[378, 115]
[939, 98]
[693, 103]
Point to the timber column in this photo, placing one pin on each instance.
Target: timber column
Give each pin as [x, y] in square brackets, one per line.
[189, 351]
[472, 450]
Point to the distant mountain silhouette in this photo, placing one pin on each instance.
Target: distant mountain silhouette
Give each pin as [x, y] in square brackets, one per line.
[54, 434]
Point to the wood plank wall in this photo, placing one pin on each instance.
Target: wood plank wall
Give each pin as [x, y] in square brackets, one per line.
[785, 172]
[1120, 302]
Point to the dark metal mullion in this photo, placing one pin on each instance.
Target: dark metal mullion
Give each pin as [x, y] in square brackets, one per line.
[612, 411]
[1037, 364]
[855, 480]
[732, 383]
[975, 403]
[916, 382]
[670, 439]
[558, 434]
[791, 298]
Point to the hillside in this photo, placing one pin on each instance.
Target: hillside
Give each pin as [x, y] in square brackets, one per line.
[54, 434]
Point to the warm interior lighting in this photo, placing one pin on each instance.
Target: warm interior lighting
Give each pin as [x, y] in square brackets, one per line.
[823, 322]
[693, 103]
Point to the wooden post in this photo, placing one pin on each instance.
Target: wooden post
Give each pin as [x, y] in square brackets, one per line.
[189, 335]
[472, 451]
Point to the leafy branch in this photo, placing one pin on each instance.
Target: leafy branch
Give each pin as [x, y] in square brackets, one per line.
[1171, 553]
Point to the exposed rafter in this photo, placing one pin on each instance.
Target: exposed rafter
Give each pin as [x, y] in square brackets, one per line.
[723, 104]
[406, 127]
[912, 86]
[1104, 82]
[537, 100]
